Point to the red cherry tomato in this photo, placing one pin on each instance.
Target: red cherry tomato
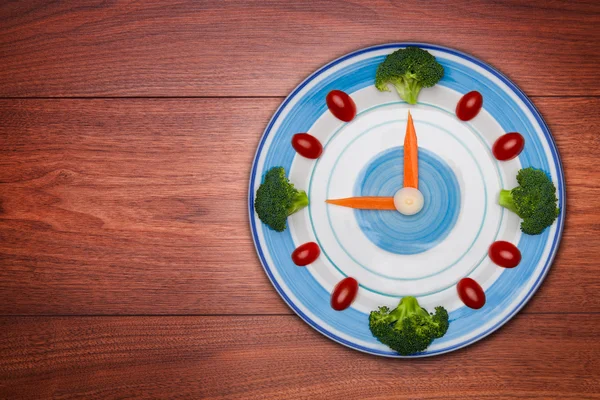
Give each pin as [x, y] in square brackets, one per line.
[471, 293]
[504, 254]
[307, 145]
[469, 105]
[508, 146]
[344, 294]
[341, 105]
[306, 253]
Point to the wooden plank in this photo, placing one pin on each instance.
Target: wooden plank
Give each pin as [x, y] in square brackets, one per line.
[266, 47]
[125, 206]
[114, 206]
[279, 357]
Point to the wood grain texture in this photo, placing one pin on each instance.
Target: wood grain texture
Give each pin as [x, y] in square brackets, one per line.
[138, 206]
[116, 207]
[266, 47]
[280, 357]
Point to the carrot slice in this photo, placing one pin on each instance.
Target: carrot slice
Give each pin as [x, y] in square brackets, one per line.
[411, 156]
[365, 203]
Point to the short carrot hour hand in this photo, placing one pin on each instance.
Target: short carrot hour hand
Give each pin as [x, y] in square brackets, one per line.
[365, 203]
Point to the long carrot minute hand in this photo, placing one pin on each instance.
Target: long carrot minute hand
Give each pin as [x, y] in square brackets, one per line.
[411, 155]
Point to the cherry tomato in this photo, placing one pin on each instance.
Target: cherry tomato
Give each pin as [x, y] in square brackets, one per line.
[306, 253]
[504, 254]
[469, 105]
[508, 146]
[307, 145]
[471, 293]
[344, 294]
[341, 105]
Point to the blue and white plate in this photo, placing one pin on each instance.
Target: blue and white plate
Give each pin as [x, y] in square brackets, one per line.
[392, 255]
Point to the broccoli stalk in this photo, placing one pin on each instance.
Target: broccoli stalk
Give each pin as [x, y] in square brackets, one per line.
[277, 198]
[534, 200]
[409, 328]
[408, 70]
[299, 201]
[505, 199]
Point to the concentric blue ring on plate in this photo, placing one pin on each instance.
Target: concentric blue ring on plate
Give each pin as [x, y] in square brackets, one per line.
[404, 234]
[307, 293]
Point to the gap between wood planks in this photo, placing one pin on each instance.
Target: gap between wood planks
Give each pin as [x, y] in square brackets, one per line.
[222, 97]
[233, 315]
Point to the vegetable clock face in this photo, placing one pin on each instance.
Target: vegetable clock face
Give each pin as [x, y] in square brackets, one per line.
[406, 200]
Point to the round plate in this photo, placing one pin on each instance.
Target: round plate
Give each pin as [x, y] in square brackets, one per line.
[392, 255]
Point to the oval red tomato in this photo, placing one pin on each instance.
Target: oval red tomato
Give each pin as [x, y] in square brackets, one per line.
[306, 253]
[504, 254]
[307, 145]
[471, 293]
[344, 294]
[341, 105]
[469, 105]
[508, 146]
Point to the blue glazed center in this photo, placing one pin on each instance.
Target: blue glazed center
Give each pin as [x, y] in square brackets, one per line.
[408, 234]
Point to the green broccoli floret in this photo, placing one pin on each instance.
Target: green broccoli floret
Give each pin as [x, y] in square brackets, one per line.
[534, 200]
[409, 328]
[277, 198]
[408, 70]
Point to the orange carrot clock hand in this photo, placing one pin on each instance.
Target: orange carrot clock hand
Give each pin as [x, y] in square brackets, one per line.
[407, 200]
[411, 156]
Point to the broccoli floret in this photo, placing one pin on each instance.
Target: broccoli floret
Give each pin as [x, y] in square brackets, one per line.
[409, 328]
[277, 198]
[534, 200]
[408, 70]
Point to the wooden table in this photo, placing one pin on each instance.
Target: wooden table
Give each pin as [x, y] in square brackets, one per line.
[127, 130]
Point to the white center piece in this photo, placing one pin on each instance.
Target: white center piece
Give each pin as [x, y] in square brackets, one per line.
[408, 201]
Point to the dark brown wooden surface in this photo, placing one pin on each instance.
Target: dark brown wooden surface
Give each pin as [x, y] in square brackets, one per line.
[276, 357]
[127, 268]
